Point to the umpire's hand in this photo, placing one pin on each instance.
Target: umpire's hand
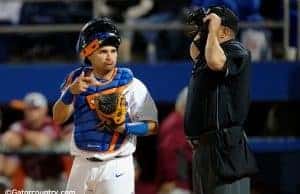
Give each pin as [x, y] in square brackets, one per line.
[82, 83]
[214, 22]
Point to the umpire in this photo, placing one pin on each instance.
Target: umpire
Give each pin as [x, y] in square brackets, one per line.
[217, 105]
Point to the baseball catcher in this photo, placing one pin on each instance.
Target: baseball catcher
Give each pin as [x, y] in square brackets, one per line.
[110, 108]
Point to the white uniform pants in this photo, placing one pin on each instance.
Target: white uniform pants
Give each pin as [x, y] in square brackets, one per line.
[114, 176]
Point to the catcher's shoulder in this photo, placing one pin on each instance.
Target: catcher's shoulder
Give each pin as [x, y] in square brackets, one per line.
[137, 84]
[125, 71]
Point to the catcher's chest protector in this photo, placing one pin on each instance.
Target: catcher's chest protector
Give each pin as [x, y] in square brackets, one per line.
[99, 104]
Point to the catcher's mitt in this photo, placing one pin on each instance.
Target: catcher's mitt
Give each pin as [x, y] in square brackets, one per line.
[110, 108]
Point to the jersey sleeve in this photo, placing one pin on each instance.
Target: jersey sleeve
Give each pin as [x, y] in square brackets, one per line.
[237, 58]
[140, 103]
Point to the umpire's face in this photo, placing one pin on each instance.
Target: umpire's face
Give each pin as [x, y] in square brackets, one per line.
[104, 59]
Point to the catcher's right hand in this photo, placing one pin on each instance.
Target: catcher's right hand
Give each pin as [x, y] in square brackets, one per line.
[82, 82]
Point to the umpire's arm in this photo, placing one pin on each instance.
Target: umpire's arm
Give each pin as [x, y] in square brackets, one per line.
[214, 54]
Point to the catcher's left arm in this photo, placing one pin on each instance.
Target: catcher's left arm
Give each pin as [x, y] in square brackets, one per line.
[141, 128]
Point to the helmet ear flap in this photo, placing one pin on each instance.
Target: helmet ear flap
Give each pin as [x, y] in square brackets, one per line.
[87, 62]
[78, 43]
[78, 47]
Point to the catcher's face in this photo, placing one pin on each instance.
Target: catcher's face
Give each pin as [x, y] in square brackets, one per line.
[104, 58]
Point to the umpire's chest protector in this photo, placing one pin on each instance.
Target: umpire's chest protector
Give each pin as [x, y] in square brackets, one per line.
[87, 134]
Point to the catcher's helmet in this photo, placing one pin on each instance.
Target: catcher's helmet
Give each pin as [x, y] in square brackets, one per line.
[97, 32]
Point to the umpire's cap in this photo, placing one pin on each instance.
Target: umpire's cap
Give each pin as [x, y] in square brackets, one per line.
[96, 33]
[228, 17]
